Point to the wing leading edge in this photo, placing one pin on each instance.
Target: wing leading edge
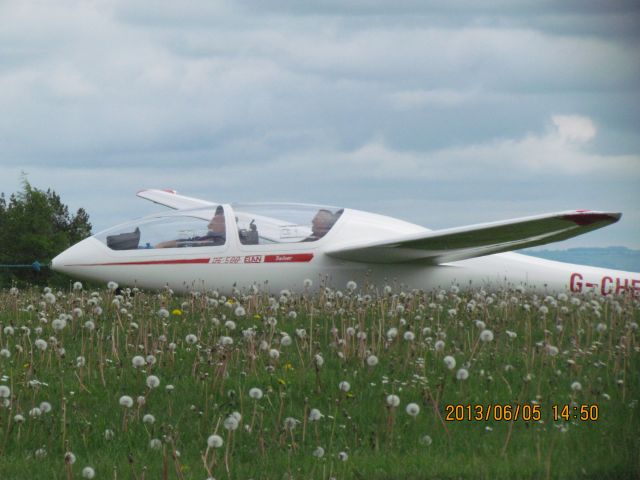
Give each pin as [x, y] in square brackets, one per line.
[171, 199]
[461, 243]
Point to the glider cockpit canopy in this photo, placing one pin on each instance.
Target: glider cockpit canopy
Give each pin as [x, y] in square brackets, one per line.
[256, 224]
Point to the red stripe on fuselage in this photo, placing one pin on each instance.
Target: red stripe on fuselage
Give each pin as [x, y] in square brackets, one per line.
[287, 258]
[146, 262]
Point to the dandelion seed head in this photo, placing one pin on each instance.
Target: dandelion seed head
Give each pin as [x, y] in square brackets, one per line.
[153, 381]
[88, 472]
[393, 400]
[409, 336]
[576, 386]
[69, 458]
[343, 456]
[344, 386]
[155, 444]
[439, 346]
[138, 361]
[45, 407]
[450, 362]
[486, 336]
[35, 412]
[126, 401]
[255, 393]
[230, 423]
[285, 341]
[462, 374]
[413, 409]
[5, 392]
[372, 360]
[315, 415]
[215, 441]
[148, 418]
[191, 339]
[290, 423]
[318, 452]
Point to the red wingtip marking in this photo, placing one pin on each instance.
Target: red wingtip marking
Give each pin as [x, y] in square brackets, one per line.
[169, 190]
[585, 218]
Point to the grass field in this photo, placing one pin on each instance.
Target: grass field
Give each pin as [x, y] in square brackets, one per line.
[353, 384]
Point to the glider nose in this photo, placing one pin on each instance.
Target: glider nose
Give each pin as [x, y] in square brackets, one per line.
[74, 258]
[61, 263]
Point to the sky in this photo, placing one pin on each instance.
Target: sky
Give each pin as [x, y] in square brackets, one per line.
[439, 113]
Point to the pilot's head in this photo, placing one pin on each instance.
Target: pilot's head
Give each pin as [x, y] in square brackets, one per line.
[216, 225]
[322, 223]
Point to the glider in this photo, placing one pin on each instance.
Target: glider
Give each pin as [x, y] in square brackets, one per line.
[202, 245]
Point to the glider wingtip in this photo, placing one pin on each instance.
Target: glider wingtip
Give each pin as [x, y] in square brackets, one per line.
[589, 217]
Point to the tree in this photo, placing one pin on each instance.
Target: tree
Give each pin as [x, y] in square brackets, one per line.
[36, 225]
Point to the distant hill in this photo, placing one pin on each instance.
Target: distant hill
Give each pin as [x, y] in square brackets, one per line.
[620, 258]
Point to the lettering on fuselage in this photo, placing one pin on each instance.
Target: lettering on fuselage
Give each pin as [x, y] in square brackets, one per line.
[606, 286]
[283, 258]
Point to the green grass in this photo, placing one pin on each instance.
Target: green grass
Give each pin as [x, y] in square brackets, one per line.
[597, 346]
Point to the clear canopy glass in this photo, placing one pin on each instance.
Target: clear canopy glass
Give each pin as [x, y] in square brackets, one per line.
[263, 224]
[257, 224]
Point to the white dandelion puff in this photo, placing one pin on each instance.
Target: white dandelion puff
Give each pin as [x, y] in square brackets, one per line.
[255, 393]
[344, 386]
[413, 409]
[126, 401]
[450, 362]
[486, 336]
[462, 374]
[372, 360]
[153, 381]
[191, 339]
[88, 472]
[215, 441]
[148, 418]
[318, 452]
[138, 361]
[393, 400]
[231, 423]
[576, 386]
[315, 415]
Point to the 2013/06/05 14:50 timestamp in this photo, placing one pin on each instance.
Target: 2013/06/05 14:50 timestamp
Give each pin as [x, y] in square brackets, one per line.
[519, 411]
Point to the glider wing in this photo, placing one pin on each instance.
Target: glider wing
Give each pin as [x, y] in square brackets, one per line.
[171, 199]
[461, 243]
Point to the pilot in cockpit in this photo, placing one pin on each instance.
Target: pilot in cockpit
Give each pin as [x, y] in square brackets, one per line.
[215, 236]
[321, 224]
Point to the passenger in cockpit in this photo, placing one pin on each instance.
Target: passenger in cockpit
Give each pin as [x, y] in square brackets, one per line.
[215, 236]
[320, 225]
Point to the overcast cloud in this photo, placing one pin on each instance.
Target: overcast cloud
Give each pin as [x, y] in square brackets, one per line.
[442, 114]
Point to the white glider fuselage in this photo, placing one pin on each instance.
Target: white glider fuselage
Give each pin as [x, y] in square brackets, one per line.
[353, 249]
